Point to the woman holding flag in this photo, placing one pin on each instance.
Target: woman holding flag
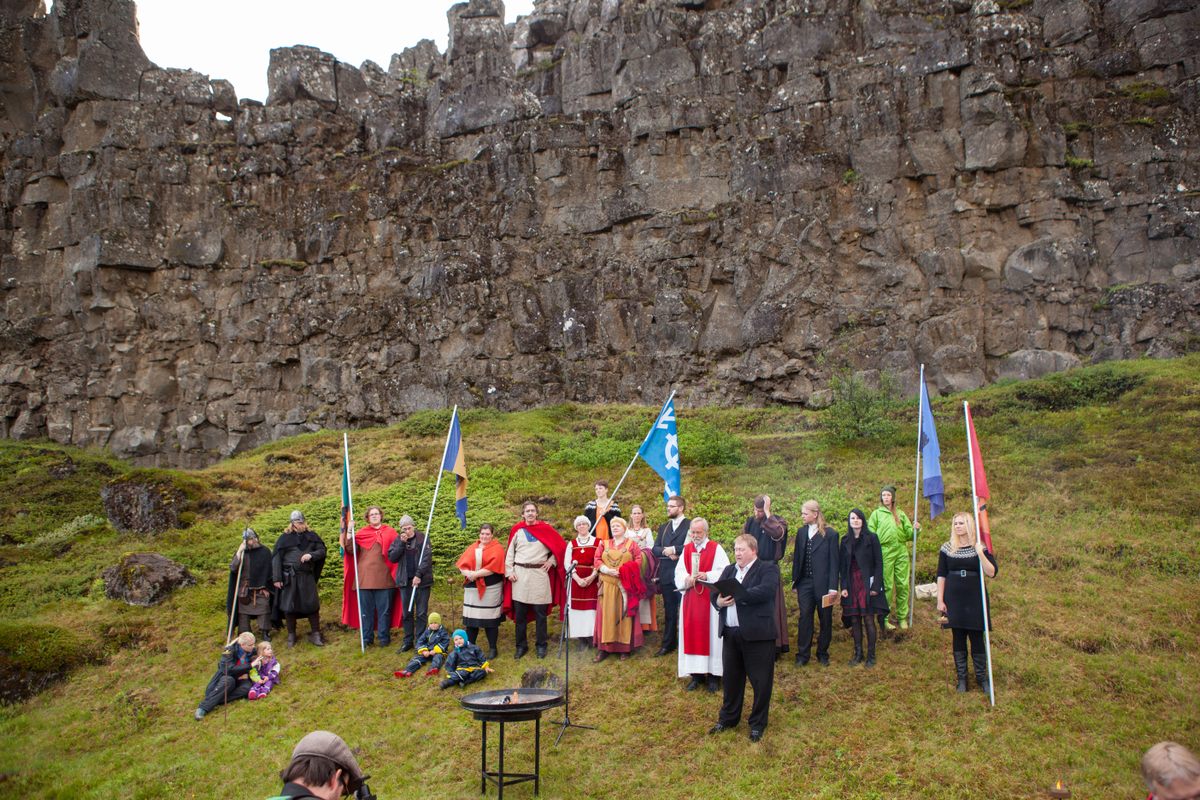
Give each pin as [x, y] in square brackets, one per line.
[958, 596]
[366, 566]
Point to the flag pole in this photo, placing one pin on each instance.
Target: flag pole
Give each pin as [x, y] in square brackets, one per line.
[912, 580]
[362, 646]
[445, 448]
[612, 497]
[987, 639]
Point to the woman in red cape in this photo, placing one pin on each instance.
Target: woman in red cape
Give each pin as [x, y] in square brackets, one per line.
[373, 541]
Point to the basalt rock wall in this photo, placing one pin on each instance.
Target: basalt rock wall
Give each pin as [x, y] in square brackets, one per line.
[604, 200]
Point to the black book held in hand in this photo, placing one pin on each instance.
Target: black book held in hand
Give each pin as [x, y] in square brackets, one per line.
[729, 587]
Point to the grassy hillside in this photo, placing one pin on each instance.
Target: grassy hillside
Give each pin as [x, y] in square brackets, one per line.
[1094, 478]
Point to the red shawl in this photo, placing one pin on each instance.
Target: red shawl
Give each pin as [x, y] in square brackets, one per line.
[696, 607]
[366, 537]
[493, 559]
[557, 545]
[635, 589]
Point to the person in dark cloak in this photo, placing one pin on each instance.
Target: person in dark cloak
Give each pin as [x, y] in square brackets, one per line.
[296, 567]
[254, 593]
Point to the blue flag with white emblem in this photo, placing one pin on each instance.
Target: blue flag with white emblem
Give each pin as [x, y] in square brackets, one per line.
[661, 450]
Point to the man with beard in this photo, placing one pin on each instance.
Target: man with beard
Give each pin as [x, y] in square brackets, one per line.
[770, 531]
[252, 593]
[414, 573]
[533, 567]
[699, 565]
[668, 545]
[296, 566]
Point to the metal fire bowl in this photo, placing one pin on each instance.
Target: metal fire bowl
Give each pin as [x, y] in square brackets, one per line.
[523, 704]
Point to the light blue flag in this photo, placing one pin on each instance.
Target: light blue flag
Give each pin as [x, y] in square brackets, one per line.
[931, 464]
[661, 450]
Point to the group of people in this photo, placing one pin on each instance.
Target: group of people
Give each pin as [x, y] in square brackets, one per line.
[721, 618]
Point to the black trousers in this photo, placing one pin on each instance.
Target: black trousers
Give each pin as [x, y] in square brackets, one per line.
[521, 618]
[226, 689]
[746, 660]
[962, 636]
[810, 602]
[671, 600]
[416, 621]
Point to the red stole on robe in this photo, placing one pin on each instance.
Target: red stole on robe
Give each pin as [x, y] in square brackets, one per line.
[696, 606]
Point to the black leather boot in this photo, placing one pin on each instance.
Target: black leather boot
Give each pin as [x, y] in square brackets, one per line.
[981, 673]
[858, 656]
[960, 669]
[870, 656]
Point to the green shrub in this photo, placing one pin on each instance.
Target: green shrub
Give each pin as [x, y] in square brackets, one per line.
[43, 648]
[1076, 388]
[702, 444]
[426, 423]
[858, 411]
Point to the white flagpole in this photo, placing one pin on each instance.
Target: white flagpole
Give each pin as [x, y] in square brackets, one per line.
[987, 639]
[912, 579]
[412, 598]
[353, 544]
[612, 497]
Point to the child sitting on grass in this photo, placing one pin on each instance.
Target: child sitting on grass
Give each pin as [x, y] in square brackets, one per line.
[466, 663]
[432, 646]
[264, 672]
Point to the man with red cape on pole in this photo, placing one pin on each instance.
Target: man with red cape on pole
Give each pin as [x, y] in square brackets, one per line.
[534, 571]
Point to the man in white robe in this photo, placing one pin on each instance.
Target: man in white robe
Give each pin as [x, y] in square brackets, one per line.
[702, 561]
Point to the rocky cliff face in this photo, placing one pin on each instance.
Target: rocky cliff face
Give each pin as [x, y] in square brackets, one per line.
[609, 198]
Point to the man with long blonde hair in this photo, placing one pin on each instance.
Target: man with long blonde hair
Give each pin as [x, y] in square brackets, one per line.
[814, 576]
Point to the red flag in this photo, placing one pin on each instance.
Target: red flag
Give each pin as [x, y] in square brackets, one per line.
[980, 477]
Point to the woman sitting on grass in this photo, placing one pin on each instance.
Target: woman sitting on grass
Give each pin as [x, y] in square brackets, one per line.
[958, 596]
[232, 678]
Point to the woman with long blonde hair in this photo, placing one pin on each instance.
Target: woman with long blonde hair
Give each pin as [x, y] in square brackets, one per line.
[958, 595]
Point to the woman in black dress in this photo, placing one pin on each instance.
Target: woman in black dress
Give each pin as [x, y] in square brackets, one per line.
[958, 597]
[863, 597]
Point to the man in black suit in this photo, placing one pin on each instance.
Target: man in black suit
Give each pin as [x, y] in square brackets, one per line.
[668, 546]
[814, 575]
[747, 625]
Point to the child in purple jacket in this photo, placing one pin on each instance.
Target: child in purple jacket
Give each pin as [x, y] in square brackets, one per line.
[265, 673]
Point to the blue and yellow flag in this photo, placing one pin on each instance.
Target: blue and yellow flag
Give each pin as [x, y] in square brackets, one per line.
[456, 463]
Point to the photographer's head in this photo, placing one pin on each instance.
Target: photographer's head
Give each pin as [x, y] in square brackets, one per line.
[323, 764]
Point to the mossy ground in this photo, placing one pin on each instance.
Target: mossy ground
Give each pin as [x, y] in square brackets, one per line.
[1093, 477]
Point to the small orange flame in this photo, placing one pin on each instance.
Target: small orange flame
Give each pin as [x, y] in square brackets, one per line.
[1058, 784]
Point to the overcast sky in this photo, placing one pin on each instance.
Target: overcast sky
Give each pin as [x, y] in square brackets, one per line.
[233, 40]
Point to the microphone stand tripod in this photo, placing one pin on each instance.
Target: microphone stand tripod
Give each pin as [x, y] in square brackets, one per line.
[565, 722]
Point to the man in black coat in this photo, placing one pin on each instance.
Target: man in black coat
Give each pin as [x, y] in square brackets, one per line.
[747, 626]
[668, 546]
[414, 573]
[814, 575]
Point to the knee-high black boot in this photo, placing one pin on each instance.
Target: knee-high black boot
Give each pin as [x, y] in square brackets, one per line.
[960, 669]
[981, 673]
[856, 632]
